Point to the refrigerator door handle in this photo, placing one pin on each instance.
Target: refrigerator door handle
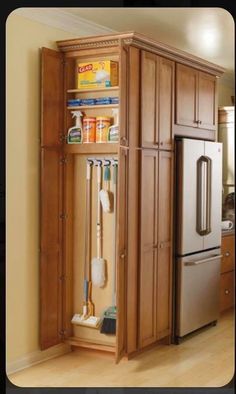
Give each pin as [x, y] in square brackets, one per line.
[204, 169]
[217, 256]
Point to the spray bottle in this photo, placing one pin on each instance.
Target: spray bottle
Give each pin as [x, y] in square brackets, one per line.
[75, 132]
[113, 131]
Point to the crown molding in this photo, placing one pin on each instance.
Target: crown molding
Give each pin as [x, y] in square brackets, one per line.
[62, 20]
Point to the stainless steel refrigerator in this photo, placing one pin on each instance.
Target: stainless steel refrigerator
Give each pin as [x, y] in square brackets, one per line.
[198, 234]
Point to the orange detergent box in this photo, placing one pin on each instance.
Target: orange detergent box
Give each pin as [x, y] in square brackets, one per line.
[102, 74]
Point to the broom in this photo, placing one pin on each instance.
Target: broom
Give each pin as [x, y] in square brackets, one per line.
[109, 321]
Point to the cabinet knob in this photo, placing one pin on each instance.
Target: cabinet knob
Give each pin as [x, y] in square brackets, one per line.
[227, 291]
[161, 143]
[122, 255]
[199, 122]
[227, 254]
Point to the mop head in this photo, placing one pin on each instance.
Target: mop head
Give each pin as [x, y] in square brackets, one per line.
[98, 272]
[109, 321]
[91, 321]
[105, 200]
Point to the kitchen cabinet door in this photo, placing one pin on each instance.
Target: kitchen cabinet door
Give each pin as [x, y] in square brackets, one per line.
[164, 264]
[51, 97]
[51, 208]
[149, 99]
[50, 249]
[227, 248]
[148, 252]
[186, 96]
[227, 290]
[206, 101]
[165, 110]
[121, 253]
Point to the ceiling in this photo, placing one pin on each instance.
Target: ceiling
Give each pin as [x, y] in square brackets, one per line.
[204, 32]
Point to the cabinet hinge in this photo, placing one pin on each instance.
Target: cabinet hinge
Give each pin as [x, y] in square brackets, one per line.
[62, 137]
[62, 333]
[63, 277]
[63, 160]
[123, 254]
[63, 216]
[123, 141]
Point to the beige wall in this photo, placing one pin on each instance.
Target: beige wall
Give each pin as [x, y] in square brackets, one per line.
[24, 38]
[224, 94]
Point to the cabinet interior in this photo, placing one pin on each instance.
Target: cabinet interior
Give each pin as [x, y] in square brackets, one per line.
[101, 297]
[75, 200]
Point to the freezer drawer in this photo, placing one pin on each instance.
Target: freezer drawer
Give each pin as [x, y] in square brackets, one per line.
[198, 291]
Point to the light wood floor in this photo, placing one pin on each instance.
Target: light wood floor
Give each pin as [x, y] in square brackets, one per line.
[204, 360]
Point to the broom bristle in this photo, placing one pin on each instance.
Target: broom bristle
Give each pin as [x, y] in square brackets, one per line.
[108, 326]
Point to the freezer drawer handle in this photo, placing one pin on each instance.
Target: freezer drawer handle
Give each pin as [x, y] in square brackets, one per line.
[204, 195]
[204, 260]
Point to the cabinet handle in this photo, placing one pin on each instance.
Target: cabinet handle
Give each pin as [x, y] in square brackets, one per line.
[227, 291]
[227, 254]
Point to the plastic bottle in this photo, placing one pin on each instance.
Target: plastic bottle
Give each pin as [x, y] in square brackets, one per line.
[75, 132]
[113, 131]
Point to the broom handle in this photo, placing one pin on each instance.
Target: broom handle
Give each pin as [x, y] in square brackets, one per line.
[99, 173]
[115, 168]
[88, 221]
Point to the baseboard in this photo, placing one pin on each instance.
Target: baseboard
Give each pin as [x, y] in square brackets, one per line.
[36, 358]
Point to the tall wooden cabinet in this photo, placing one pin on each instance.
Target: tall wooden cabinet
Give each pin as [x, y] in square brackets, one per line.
[162, 93]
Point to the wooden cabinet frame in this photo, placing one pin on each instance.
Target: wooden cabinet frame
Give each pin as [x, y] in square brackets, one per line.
[57, 177]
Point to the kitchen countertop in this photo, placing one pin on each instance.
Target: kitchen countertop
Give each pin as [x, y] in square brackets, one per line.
[227, 232]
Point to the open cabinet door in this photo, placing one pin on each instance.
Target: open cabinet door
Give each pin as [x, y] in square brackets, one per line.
[121, 254]
[121, 227]
[51, 199]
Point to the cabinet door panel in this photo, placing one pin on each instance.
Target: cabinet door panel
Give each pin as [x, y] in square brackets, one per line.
[164, 264]
[51, 251]
[166, 88]
[165, 196]
[149, 99]
[51, 97]
[147, 323]
[164, 273]
[206, 97]
[227, 290]
[186, 96]
[121, 257]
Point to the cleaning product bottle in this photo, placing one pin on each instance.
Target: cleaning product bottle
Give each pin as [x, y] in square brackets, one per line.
[75, 132]
[113, 131]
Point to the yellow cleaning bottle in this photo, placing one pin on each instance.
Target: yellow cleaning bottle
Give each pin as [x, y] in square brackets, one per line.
[75, 132]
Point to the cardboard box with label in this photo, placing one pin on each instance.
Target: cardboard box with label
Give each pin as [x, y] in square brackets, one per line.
[100, 74]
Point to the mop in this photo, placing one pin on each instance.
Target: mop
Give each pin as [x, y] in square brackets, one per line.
[98, 263]
[87, 318]
[109, 321]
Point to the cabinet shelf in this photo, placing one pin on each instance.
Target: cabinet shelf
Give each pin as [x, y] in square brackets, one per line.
[92, 148]
[93, 106]
[93, 90]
